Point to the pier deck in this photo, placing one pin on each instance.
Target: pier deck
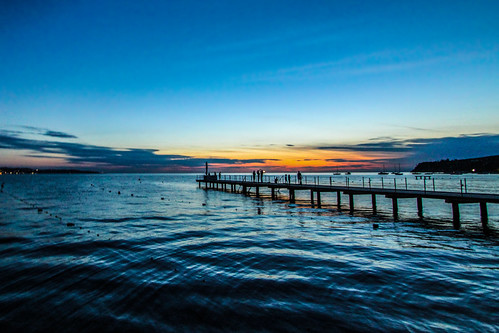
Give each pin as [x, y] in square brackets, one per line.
[454, 198]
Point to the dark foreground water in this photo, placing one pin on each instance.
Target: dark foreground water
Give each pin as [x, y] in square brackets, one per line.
[80, 253]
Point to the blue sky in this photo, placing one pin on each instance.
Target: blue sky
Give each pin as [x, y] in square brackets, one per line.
[247, 83]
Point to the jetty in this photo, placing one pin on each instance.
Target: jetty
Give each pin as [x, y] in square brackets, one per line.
[245, 184]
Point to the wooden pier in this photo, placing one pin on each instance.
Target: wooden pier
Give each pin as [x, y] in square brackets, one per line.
[453, 198]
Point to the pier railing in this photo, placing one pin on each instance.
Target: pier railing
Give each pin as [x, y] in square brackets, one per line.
[425, 183]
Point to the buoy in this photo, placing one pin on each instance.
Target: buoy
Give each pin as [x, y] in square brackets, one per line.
[375, 226]
[162, 198]
[119, 192]
[70, 224]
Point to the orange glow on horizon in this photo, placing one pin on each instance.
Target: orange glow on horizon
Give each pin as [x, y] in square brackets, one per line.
[293, 159]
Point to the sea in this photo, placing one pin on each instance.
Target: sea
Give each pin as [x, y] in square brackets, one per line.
[158, 253]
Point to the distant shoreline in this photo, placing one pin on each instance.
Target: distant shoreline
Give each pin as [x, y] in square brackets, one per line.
[488, 164]
[27, 171]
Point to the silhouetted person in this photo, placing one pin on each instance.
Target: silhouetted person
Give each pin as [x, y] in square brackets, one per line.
[220, 175]
[299, 177]
[254, 175]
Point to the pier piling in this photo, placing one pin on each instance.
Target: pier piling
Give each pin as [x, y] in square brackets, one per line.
[483, 213]
[395, 207]
[456, 219]
[420, 207]
[373, 201]
[351, 202]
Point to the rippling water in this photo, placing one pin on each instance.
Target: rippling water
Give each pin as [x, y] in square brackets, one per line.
[156, 253]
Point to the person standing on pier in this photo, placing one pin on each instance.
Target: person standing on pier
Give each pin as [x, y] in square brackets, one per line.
[299, 177]
[254, 175]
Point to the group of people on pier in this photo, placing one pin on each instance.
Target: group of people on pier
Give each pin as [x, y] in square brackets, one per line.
[299, 178]
[258, 175]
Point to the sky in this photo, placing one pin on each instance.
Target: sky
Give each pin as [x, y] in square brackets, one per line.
[163, 86]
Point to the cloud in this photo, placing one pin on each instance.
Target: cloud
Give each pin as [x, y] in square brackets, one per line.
[461, 145]
[381, 146]
[130, 159]
[45, 132]
[409, 152]
[60, 135]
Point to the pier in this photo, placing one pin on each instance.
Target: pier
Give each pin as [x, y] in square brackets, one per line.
[244, 184]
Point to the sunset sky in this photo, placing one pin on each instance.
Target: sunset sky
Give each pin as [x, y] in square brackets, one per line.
[160, 86]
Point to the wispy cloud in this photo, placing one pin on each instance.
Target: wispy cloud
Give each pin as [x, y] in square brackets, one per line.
[369, 64]
[387, 146]
[46, 132]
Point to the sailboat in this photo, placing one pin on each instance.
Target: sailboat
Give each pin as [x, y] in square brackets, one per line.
[397, 172]
[383, 172]
[337, 173]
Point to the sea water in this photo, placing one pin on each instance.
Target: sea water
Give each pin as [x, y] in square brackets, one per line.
[133, 252]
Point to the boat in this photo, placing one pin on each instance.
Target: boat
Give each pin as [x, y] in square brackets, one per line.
[383, 172]
[398, 173]
[337, 173]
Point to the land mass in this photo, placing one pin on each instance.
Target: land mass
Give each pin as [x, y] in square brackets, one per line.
[22, 171]
[489, 164]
